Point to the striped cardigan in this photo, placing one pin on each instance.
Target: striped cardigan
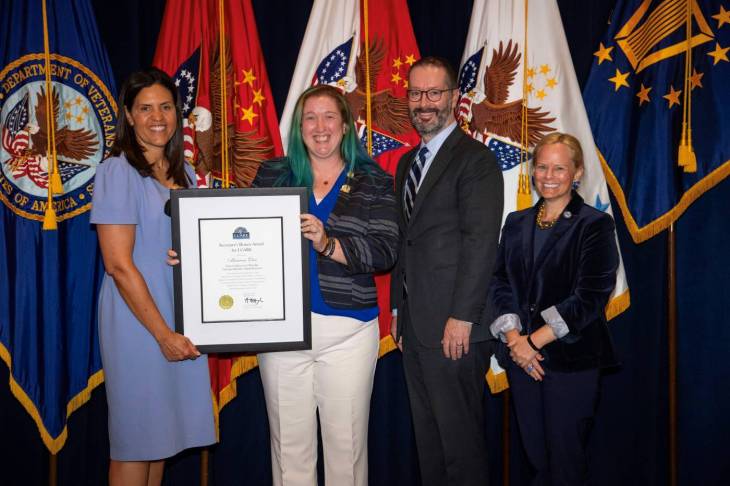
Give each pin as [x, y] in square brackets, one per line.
[364, 222]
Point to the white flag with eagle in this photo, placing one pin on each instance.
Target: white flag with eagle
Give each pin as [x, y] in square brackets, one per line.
[517, 84]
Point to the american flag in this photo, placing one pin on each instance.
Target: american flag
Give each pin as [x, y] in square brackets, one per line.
[467, 82]
[381, 142]
[334, 66]
[187, 87]
[15, 137]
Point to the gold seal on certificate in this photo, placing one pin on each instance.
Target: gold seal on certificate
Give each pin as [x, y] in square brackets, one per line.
[225, 302]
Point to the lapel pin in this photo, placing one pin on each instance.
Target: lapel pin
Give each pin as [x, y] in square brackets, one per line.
[567, 215]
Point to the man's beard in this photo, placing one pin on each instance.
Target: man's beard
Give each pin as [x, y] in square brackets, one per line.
[434, 126]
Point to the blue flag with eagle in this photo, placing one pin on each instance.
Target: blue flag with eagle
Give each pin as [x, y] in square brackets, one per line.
[49, 278]
[657, 100]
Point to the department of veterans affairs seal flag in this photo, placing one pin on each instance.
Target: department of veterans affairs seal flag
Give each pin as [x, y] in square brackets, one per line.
[517, 84]
[334, 52]
[657, 99]
[49, 279]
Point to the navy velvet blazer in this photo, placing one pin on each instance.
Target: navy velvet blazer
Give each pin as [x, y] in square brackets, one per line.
[575, 272]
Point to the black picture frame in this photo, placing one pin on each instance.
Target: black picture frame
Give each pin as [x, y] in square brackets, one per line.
[188, 207]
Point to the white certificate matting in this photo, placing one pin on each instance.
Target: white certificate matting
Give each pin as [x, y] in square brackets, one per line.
[242, 283]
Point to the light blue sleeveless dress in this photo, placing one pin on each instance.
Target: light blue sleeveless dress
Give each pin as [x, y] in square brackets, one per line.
[157, 408]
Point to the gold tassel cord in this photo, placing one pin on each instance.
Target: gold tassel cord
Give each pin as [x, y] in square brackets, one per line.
[686, 157]
[368, 98]
[54, 180]
[225, 169]
[524, 192]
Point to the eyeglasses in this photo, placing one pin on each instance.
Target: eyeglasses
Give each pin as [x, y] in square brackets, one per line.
[431, 94]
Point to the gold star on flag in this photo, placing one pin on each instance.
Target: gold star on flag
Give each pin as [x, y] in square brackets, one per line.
[68, 115]
[544, 69]
[67, 105]
[541, 94]
[85, 110]
[722, 17]
[696, 79]
[258, 97]
[79, 119]
[397, 63]
[603, 53]
[410, 59]
[531, 72]
[619, 80]
[247, 114]
[672, 97]
[395, 78]
[643, 94]
[552, 82]
[530, 88]
[405, 83]
[248, 77]
[719, 54]
[78, 100]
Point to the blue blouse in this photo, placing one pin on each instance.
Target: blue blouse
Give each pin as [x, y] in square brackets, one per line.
[318, 305]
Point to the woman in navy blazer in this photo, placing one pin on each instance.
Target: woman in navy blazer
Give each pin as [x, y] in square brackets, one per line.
[555, 271]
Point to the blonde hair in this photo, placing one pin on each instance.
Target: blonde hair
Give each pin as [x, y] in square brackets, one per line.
[576, 152]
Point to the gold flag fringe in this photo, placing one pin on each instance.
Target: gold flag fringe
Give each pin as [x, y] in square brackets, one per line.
[662, 222]
[53, 444]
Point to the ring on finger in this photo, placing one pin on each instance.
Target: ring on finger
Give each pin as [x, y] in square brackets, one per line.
[530, 368]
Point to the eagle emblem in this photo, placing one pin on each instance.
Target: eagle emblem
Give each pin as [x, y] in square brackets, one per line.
[494, 114]
[389, 112]
[247, 149]
[26, 142]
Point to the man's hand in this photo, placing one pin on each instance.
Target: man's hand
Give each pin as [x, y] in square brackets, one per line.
[394, 332]
[456, 338]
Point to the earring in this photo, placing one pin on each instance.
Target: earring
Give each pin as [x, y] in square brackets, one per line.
[576, 185]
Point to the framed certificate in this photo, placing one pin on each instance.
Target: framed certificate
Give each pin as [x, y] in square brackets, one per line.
[242, 283]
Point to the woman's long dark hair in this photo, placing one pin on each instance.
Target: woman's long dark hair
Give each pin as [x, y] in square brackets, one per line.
[126, 140]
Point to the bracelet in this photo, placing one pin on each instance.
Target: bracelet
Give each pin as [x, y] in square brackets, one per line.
[532, 345]
[329, 248]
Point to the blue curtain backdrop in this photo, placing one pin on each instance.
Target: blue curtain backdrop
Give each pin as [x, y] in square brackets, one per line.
[629, 443]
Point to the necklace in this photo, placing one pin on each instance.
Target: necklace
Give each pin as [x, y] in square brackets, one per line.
[541, 214]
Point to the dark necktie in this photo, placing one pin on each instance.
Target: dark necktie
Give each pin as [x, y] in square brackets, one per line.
[414, 177]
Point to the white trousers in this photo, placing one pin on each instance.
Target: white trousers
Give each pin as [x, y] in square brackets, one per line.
[336, 377]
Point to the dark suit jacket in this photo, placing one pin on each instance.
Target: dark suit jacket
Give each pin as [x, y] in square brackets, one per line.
[575, 272]
[449, 245]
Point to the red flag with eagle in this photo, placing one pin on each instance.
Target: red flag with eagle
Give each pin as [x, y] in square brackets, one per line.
[333, 52]
[189, 49]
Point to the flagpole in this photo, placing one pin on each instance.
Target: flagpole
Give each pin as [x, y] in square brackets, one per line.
[672, 339]
[505, 437]
[368, 88]
[52, 469]
[204, 459]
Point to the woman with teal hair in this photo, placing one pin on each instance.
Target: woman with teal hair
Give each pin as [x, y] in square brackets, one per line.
[354, 234]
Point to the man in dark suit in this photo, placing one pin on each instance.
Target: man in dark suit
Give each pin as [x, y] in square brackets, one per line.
[450, 193]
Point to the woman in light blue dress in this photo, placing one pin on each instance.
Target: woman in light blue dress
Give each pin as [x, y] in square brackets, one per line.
[157, 384]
